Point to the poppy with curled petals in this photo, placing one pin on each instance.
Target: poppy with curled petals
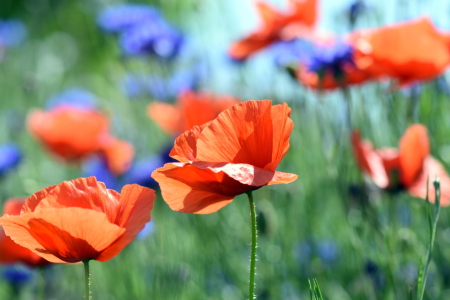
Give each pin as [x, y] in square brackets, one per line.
[11, 252]
[407, 167]
[74, 133]
[276, 26]
[191, 109]
[80, 220]
[235, 153]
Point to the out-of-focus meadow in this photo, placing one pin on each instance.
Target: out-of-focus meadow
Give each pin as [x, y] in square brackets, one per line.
[333, 223]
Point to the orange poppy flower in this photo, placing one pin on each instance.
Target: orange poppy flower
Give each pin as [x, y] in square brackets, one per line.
[408, 51]
[235, 153]
[191, 109]
[11, 252]
[74, 133]
[276, 26]
[407, 167]
[80, 220]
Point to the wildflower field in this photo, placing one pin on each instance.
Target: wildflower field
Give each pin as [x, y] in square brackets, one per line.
[201, 149]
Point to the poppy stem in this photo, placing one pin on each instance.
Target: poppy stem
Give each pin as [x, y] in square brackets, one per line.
[87, 280]
[422, 278]
[251, 288]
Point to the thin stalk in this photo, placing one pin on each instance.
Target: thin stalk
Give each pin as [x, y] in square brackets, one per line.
[87, 280]
[41, 284]
[251, 287]
[433, 224]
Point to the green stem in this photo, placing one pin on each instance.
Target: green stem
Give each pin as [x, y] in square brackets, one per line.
[251, 288]
[433, 225]
[41, 284]
[87, 280]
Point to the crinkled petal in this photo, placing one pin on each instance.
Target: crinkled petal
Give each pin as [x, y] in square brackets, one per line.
[134, 211]
[63, 235]
[185, 146]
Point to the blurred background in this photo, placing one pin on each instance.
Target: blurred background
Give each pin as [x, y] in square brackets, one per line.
[333, 223]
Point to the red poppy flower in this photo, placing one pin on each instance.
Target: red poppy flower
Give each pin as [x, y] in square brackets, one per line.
[11, 252]
[407, 167]
[191, 109]
[73, 133]
[79, 220]
[276, 26]
[408, 51]
[235, 153]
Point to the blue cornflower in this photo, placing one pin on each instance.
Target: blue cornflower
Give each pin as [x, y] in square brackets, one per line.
[17, 274]
[327, 251]
[96, 166]
[73, 97]
[10, 157]
[122, 16]
[292, 52]
[12, 32]
[331, 59]
[151, 37]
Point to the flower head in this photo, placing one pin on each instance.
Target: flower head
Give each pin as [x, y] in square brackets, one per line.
[235, 153]
[10, 157]
[331, 59]
[192, 108]
[407, 167]
[12, 32]
[10, 252]
[276, 26]
[80, 220]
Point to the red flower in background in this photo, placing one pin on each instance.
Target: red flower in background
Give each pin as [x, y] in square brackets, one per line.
[276, 26]
[73, 133]
[408, 51]
[191, 109]
[80, 219]
[407, 167]
[10, 252]
[235, 153]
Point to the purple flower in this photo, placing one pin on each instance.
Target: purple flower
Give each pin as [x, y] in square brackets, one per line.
[12, 32]
[153, 37]
[122, 16]
[10, 157]
[331, 59]
[73, 97]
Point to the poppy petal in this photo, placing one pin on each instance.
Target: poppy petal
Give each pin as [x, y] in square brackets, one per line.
[189, 189]
[33, 201]
[268, 13]
[119, 155]
[167, 116]
[239, 135]
[85, 193]
[66, 234]
[283, 178]
[134, 211]
[414, 146]
[185, 146]
[369, 160]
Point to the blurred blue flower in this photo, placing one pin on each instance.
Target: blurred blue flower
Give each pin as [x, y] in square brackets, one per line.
[12, 32]
[73, 97]
[139, 173]
[327, 251]
[10, 157]
[291, 52]
[331, 59]
[17, 274]
[146, 231]
[303, 252]
[151, 37]
[122, 16]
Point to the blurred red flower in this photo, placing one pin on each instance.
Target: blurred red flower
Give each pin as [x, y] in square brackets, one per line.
[10, 252]
[192, 108]
[73, 133]
[407, 167]
[276, 26]
[235, 153]
[406, 52]
[79, 220]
